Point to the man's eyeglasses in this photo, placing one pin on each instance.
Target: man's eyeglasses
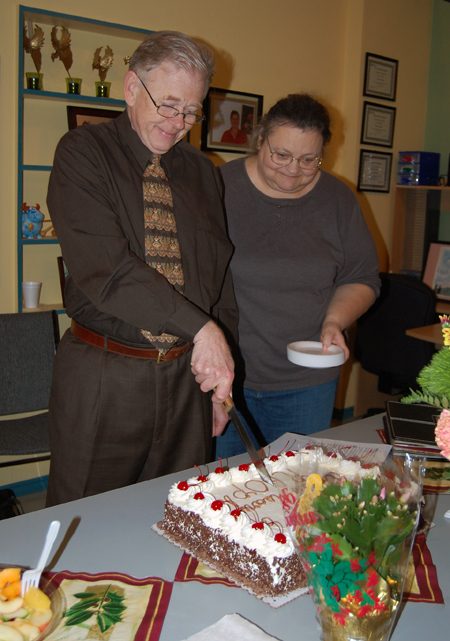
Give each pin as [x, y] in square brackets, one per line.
[191, 118]
[305, 162]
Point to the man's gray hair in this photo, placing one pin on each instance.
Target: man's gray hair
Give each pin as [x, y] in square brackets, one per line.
[175, 47]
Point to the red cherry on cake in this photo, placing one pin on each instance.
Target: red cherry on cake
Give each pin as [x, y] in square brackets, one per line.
[352, 458]
[274, 458]
[332, 455]
[219, 470]
[367, 466]
[236, 514]
[280, 538]
[244, 467]
[290, 453]
[309, 447]
[183, 485]
[199, 496]
[258, 526]
[217, 505]
[202, 478]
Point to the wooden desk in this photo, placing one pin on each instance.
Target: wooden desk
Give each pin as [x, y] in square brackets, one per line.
[443, 307]
[429, 333]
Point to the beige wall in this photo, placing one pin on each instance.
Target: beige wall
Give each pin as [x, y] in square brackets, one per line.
[266, 47]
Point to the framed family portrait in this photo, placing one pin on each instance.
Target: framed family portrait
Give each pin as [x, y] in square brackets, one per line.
[230, 118]
[437, 270]
[377, 125]
[374, 171]
[380, 79]
[77, 116]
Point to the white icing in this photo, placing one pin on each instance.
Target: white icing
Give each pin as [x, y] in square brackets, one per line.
[220, 479]
[276, 466]
[206, 486]
[179, 497]
[232, 525]
[350, 469]
[213, 516]
[241, 476]
[329, 463]
[199, 506]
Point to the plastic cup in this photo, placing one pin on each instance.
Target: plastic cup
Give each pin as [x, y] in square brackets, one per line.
[31, 291]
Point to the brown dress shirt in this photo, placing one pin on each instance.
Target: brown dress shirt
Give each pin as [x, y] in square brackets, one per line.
[95, 202]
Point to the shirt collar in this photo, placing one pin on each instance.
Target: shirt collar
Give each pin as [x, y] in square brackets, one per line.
[142, 154]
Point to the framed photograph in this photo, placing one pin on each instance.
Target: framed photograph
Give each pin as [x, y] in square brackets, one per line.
[230, 117]
[377, 125]
[77, 116]
[374, 171]
[380, 78]
[437, 270]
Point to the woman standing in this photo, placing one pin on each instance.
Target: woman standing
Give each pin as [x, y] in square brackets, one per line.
[304, 268]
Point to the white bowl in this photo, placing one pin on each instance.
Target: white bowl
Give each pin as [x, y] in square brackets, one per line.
[311, 354]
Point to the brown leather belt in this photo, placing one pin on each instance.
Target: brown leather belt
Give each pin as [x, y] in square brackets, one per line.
[109, 345]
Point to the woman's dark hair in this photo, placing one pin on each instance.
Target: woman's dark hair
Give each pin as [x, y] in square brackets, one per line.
[233, 113]
[296, 110]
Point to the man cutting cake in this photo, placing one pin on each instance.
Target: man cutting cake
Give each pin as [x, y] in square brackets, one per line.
[138, 214]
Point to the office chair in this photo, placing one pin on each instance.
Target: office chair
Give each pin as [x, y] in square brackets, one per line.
[382, 346]
[28, 343]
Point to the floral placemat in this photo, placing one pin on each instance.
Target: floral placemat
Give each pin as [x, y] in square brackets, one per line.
[437, 476]
[109, 606]
[190, 569]
[421, 580]
[421, 586]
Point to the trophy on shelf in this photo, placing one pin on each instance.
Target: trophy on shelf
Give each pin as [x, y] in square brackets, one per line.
[63, 51]
[33, 45]
[102, 63]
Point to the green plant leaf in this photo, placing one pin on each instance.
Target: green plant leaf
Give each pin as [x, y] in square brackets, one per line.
[79, 617]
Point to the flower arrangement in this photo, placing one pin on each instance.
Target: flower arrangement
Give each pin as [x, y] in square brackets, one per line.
[434, 378]
[434, 381]
[354, 538]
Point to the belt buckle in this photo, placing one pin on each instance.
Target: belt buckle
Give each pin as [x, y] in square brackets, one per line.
[159, 359]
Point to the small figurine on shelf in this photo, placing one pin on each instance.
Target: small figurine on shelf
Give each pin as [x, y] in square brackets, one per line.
[33, 45]
[32, 219]
[64, 53]
[102, 63]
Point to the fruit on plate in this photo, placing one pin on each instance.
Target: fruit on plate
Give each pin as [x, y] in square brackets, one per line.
[21, 618]
[7, 633]
[36, 599]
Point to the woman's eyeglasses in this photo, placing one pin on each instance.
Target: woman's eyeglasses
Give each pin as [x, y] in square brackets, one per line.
[283, 160]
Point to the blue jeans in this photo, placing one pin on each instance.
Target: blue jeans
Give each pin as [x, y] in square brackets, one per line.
[268, 415]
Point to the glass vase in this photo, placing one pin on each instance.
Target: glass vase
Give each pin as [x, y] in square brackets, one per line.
[73, 85]
[102, 89]
[354, 534]
[34, 80]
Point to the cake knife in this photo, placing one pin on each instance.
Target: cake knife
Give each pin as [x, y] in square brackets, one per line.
[255, 455]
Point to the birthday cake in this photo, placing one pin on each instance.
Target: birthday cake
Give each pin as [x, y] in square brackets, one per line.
[233, 521]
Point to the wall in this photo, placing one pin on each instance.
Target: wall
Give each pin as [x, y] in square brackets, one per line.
[264, 47]
[437, 132]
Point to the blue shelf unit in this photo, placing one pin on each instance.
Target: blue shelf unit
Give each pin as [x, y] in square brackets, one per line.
[51, 18]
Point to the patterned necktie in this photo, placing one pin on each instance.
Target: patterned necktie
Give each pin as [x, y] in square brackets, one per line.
[162, 249]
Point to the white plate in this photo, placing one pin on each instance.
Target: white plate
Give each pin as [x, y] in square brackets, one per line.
[311, 354]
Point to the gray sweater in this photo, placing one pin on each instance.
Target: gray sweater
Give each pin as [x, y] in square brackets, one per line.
[290, 256]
